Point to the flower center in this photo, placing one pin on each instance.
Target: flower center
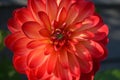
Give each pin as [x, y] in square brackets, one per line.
[57, 35]
[58, 38]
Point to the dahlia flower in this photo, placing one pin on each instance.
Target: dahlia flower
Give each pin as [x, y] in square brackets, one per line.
[57, 40]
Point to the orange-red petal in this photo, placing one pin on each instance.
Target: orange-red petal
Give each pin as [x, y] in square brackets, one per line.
[37, 43]
[84, 58]
[72, 13]
[51, 7]
[101, 33]
[45, 19]
[52, 62]
[20, 48]
[23, 15]
[62, 15]
[63, 58]
[13, 25]
[86, 10]
[19, 63]
[73, 65]
[41, 70]
[44, 32]
[12, 38]
[36, 58]
[95, 49]
[31, 29]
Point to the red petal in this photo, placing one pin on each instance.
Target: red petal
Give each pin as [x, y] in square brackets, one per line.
[104, 56]
[62, 15]
[45, 19]
[23, 15]
[105, 41]
[36, 58]
[44, 32]
[84, 59]
[70, 47]
[35, 6]
[66, 4]
[62, 73]
[93, 20]
[31, 74]
[31, 29]
[41, 70]
[101, 33]
[52, 62]
[52, 9]
[88, 76]
[89, 23]
[37, 43]
[13, 25]
[95, 49]
[20, 63]
[71, 16]
[86, 9]
[12, 38]
[58, 2]
[20, 48]
[64, 58]
[48, 49]
[83, 34]
[87, 35]
[73, 65]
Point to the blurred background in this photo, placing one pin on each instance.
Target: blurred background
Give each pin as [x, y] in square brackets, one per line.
[109, 11]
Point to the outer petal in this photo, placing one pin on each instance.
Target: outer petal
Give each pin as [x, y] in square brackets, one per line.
[41, 70]
[74, 65]
[84, 58]
[36, 58]
[12, 38]
[87, 9]
[101, 33]
[104, 56]
[19, 63]
[31, 29]
[20, 48]
[13, 25]
[90, 76]
[23, 15]
[82, 34]
[89, 23]
[94, 48]
[31, 74]
[62, 73]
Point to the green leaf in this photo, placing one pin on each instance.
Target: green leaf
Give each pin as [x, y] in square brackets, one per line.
[113, 74]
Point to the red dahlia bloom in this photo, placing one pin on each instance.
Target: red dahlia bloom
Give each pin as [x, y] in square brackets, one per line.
[57, 40]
